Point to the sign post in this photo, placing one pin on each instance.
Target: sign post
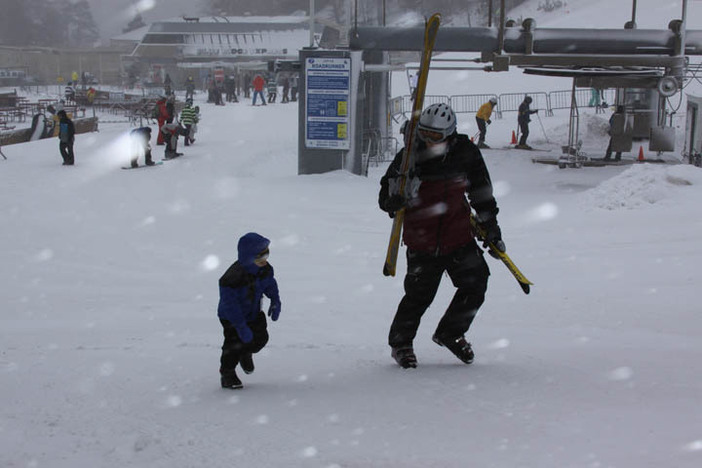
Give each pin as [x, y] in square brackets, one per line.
[328, 85]
[328, 119]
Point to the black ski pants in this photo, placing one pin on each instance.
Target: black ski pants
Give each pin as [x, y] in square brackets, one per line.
[482, 127]
[608, 152]
[233, 348]
[66, 149]
[524, 129]
[469, 273]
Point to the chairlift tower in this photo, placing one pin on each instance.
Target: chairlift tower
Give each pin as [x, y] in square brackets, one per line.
[601, 58]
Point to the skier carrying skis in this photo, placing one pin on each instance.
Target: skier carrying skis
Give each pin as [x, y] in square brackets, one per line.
[523, 119]
[483, 120]
[438, 234]
[241, 289]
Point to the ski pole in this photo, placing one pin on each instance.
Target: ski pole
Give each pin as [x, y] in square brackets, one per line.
[542, 128]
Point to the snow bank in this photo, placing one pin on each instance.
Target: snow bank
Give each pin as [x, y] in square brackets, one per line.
[643, 185]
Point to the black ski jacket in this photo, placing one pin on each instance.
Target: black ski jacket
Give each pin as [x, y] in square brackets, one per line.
[437, 219]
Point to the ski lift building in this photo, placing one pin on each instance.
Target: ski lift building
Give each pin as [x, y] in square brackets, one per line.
[245, 42]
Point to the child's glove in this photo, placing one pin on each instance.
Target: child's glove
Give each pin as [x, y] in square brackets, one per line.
[274, 310]
[245, 333]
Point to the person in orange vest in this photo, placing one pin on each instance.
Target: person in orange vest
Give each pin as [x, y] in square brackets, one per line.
[258, 84]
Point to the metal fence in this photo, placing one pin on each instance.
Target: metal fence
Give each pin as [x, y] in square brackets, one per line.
[508, 102]
[470, 103]
[584, 98]
[429, 99]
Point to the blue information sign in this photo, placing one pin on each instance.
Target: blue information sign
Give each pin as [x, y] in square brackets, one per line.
[328, 89]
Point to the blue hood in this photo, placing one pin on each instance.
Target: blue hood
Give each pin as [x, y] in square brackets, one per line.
[250, 245]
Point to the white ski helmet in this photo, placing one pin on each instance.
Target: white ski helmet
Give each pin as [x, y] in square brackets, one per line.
[493, 100]
[437, 118]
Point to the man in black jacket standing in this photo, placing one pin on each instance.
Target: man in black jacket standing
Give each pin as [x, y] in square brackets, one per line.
[523, 119]
[438, 234]
[67, 132]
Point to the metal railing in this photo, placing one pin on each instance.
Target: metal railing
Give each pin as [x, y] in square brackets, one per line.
[584, 98]
[510, 102]
[470, 103]
[507, 102]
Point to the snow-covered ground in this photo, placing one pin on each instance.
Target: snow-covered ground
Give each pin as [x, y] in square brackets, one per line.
[109, 340]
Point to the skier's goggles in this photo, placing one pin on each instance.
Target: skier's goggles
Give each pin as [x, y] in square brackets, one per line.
[430, 135]
[263, 255]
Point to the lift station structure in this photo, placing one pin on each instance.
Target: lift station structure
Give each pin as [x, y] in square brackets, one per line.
[345, 92]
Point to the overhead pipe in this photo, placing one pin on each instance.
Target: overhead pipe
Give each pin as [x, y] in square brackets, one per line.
[546, 40]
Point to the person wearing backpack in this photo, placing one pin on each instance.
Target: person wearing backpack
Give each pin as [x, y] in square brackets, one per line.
[66, 134]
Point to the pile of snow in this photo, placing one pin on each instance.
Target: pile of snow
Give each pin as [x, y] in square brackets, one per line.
[643, 185]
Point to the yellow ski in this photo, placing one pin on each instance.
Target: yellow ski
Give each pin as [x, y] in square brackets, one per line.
[430, 31]
[523, 281]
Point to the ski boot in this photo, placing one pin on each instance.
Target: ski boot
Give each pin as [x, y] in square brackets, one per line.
[247, 364]
[405, 357]
[458, 346]
[230, 380]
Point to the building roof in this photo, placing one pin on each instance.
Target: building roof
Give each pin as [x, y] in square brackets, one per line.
[232, 38]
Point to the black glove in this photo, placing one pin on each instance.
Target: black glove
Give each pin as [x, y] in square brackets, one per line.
[395, 203]
[493, 235]
[489, 121]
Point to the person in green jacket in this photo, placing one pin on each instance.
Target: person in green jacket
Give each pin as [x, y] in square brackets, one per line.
[189, 118]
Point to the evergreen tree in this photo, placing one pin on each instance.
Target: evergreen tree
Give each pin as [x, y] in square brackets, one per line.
[84, 32]
[15, 25]
[52, 23]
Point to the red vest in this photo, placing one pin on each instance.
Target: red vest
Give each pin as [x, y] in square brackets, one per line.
[437, 221]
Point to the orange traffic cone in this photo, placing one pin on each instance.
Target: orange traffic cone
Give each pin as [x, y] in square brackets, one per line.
[641, 154]
[514, 138]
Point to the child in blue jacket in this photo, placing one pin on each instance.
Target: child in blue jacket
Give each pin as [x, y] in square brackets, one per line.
[241, 289]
